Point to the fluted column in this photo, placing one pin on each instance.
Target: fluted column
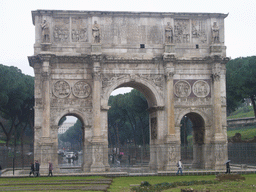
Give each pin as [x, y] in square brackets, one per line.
[170, 103]
[172, 147]
[217, 122]
[219, 146]
[46, 142]
[45, 73]
[97, 140]
[169, 73]
[96, 98]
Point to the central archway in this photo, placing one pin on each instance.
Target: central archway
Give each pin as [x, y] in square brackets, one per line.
[128, 130]
[156, 135]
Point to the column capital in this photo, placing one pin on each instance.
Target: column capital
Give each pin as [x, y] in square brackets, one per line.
[169, 75]
[216, 72]
[169, 58]
[45, 75]
[96, 57]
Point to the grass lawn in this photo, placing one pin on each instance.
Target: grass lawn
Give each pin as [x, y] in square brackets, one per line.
[121, 184]
[53, 183]
[242, 112]
[246, 132]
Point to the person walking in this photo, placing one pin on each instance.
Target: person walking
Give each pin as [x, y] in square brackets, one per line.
[50, 168]
[179, 165]
[0, 170]
[227, 167]
[32, 169]
[37, 168]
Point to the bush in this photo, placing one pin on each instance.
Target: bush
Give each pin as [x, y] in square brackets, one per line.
[231, 177]
[163, 186]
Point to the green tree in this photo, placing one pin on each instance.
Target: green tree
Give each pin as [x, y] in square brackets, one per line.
[128, 119]
[241, 81]
[74, 135]
[17, 100]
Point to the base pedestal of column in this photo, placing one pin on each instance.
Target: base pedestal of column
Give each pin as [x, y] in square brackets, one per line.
[96, 49]
[97, 156]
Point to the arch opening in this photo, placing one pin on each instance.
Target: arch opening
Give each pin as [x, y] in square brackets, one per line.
[70, 142]
[192, 137]
[129, 126]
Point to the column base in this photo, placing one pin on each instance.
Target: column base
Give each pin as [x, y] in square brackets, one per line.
[96, 49]
[169, 49]
[97, 156]
[98, 167]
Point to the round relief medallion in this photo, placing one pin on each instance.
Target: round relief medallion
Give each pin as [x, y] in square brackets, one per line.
[81, 89]
[61, 89]
[182, 89]
[201, 88]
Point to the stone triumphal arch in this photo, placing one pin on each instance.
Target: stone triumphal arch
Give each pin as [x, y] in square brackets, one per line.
[177, 60]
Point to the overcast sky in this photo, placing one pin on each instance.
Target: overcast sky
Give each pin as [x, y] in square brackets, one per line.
[17, 34]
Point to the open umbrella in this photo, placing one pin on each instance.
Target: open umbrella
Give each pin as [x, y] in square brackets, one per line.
[227, 161]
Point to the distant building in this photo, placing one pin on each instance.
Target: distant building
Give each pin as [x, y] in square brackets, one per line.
[64, 127]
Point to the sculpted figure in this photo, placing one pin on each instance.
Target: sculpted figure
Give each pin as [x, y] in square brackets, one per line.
[96, 32]
[215, 33]
[45, 31]
[168, 33]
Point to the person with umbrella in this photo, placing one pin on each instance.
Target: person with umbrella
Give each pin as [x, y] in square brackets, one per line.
[227, 166]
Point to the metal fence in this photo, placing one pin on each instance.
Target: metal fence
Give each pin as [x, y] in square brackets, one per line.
[126, 157]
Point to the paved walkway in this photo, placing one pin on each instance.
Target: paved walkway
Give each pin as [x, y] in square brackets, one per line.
[134, 171]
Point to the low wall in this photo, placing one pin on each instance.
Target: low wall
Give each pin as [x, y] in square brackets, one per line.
[241, 121]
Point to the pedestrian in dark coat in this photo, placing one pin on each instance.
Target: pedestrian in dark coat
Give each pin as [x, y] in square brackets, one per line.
[50, 168]
[37, 168]
[32, 169]
[227, 167]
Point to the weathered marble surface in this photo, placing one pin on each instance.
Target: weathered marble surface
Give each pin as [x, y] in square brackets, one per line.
[177, 60]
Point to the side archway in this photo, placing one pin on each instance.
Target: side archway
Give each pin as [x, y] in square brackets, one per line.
[85, 137]
[199, 141]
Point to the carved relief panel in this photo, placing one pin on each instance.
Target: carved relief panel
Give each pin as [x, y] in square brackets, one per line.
[61, 29]
[198, 31]
[192, 88]
[182, 89]
[201, 88]
[81, 89]
[74, 93]
[181, 31]
[79, 32]
[61, 89]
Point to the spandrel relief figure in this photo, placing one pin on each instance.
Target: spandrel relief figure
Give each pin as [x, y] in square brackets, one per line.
[168, 33]
[215, 33]
[45, 32]
[96, 32]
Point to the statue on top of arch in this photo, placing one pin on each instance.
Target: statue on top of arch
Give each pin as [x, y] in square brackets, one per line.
[96, 32]
[45, 32]
[168, 33]
[215, 33]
